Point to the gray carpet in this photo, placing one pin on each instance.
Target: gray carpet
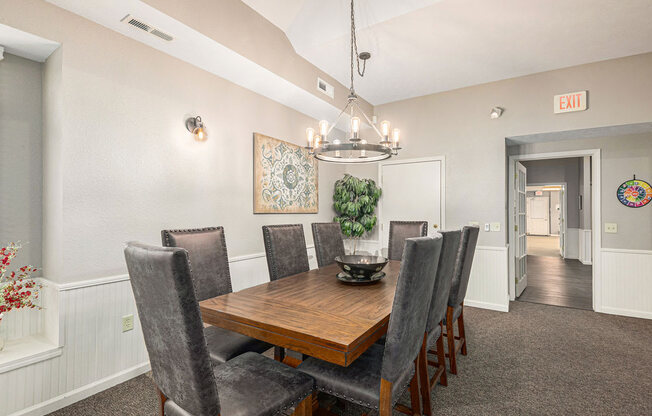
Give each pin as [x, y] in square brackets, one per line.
[535, 360]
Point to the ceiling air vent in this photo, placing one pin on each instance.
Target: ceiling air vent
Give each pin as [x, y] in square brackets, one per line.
[130, 20]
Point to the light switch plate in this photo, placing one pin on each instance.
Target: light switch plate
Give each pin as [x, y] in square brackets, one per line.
[486, 227]
[610, 227]
[495, 226]
[127, 323]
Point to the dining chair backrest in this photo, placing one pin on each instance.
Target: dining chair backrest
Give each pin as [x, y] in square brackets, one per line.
[329, 242]
[463, 265]
[210, 263]
[407, 321]
[172, 326]
[399, 231]
[285, 247]
[449, 248]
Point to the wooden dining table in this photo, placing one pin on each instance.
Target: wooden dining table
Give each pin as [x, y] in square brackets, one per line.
[311, 313]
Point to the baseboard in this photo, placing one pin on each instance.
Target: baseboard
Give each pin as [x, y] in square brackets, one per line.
[486, 305]
[625, 312]
[586, 263]
[83, 392]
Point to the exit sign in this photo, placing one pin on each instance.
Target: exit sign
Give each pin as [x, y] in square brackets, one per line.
[572, 101]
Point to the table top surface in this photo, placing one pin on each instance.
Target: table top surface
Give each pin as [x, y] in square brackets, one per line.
[311, 312]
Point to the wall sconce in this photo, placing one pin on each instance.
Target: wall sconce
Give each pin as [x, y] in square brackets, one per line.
[196, 127]
[496, 112]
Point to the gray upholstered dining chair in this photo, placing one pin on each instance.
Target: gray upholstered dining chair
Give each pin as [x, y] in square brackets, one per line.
[399, 231]
[211, 277]
[329, 242]
[455, 309]
[189, 382]
[285, 247]
[378, 378]
[438, 304]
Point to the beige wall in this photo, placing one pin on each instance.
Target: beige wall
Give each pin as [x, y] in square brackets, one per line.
[125, 167]
[621, 157]
[456, 124]
[20, 157]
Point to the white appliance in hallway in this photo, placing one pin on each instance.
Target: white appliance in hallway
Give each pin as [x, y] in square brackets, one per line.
[538, 213]
[413, 190]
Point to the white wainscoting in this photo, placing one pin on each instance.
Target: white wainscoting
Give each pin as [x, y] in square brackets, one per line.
[585, 244]
[488, 283]
[96, 354]
[572, 243]
[627, 282]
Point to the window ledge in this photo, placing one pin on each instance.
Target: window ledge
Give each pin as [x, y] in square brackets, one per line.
[25, 351]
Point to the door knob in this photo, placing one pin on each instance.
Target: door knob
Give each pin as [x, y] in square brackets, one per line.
[435, 226]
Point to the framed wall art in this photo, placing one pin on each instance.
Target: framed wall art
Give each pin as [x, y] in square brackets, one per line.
[285, 178]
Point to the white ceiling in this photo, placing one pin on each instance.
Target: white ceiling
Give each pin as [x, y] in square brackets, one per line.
[421, 47]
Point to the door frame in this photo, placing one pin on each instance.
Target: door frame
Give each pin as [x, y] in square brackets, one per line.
[564, 205]
[442, 176]
[596, 220]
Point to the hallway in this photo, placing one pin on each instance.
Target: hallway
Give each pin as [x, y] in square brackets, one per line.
[559, 282]
[543, 245]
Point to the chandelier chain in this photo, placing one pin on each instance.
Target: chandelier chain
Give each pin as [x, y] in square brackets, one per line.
[354, 51]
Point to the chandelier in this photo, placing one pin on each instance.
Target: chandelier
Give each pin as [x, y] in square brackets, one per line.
[356, 149]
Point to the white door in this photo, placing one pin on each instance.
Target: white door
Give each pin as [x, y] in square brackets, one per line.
[538, 215]
[412, 191]
[520, 229]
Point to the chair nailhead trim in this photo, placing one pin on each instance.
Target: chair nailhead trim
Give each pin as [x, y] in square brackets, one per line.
[365, 404]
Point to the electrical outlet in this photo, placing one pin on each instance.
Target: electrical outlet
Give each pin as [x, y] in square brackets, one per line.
[127, 323]
[495, 226]
[486, 227]
[610, 227]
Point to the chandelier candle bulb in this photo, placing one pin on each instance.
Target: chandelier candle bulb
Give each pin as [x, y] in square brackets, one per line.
[310, 135]
[323, 128]
[384, 129]
[355, 127]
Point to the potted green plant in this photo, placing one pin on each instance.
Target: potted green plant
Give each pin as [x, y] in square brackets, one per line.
[355, 201]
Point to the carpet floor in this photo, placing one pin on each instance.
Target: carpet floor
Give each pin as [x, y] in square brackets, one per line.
[534, 360]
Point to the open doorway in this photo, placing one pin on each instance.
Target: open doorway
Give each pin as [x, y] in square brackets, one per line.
[551, 200]
[545, 216]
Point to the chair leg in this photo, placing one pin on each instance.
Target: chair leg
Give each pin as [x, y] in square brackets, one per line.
[385, 408]
[450, 337]
[414, 391]
[163, 399]
[460, 329]
[422, 368]
[441, 359]
[279, 354]
[304, 408]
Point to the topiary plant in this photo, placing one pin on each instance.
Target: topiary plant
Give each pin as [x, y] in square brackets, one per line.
[355, 201]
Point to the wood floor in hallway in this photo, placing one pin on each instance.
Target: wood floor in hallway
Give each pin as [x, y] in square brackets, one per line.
[557, 281]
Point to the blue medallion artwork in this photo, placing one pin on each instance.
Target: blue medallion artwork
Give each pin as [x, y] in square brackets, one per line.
[285, 177]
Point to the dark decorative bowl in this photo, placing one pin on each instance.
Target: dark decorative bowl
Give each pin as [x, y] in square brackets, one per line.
[361, 267]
